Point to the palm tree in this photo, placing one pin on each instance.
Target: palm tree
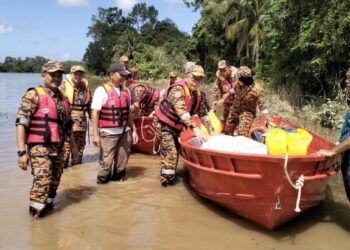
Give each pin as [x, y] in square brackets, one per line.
[243, 24]
[127, 44]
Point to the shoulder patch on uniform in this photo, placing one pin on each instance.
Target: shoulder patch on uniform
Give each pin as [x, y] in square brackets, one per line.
[177, 94]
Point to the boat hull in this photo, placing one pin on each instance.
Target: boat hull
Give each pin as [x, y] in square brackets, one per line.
[256, 186]
[147, 143]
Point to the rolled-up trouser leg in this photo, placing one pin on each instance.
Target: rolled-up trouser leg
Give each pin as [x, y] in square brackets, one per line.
[345, 170]
[169, 155]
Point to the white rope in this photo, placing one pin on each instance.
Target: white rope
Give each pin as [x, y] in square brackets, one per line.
[152, 131]
[298, 184]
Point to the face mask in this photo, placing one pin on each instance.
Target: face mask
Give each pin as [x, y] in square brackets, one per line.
[246, 80]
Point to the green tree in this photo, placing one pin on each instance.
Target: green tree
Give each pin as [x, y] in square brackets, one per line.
[305, 44]
[105, 30]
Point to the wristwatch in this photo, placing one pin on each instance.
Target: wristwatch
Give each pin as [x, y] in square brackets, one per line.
[20, 153]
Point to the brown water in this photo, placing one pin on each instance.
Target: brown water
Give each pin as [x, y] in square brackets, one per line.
[139, 213]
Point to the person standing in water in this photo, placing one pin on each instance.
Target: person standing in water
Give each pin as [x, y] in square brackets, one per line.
[42, 125]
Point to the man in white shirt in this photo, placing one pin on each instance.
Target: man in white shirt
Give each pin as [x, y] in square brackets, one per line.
[112, 120]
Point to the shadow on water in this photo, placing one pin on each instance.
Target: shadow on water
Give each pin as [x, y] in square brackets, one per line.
[90, 158]
[74, 195]
[328, 211]
[337, 211]
[135, 171]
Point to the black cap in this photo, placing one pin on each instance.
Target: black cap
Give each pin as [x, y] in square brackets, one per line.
[116, 67]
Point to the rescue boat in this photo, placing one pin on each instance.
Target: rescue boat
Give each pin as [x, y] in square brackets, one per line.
[147, 143]
[268, 190]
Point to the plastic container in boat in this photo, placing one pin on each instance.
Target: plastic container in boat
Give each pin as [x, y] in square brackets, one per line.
[276, 142]
[298, 142]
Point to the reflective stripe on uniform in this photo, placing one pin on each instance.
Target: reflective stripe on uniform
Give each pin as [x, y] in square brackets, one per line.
[168, 171]
[37, 205]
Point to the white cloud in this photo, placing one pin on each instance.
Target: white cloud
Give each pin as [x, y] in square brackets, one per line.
[65, 56]
[5, 27]
[126, 5]
[72, 3]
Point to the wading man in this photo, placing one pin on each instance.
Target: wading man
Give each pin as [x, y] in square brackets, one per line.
[75, 88]
[41, 124]
[112, 121]
[183, 99]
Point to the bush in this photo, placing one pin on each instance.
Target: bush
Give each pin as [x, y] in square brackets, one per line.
[156, 63]
[331, 114]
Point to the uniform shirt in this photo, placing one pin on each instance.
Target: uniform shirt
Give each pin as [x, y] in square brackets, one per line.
[176, 97]
[216, 95]
[28, 106]
[139, 91]
[100, 98]
[247, 98]
[216, 92]
[79, 117]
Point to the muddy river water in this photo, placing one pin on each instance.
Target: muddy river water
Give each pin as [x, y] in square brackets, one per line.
[139, 213]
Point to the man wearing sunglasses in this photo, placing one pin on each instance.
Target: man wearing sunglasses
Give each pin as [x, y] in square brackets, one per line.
[247, 96]
[40, 131]
[183, 99]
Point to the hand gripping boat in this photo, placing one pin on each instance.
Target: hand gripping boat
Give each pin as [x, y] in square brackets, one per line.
[147, 142]
[266, 189]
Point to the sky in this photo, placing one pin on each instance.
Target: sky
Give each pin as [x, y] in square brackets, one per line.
[56, 29]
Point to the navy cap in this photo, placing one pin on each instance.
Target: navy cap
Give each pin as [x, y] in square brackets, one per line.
[116, 67]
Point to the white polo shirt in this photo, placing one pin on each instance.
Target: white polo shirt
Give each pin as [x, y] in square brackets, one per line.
[100, 98]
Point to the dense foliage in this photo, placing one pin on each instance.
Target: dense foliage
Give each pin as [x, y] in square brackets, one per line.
[305, 43]
[139, 35]
[30, 65]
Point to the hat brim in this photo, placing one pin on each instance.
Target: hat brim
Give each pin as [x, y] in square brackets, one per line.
[222, 67]
[198, 75]
[124, 72]
[79, 70]
[53, 71]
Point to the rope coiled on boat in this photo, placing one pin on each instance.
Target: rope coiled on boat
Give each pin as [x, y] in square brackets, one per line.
[154, 137]
[298, 184]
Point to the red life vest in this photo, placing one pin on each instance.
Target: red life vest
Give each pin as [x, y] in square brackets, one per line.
[225, 85]
[45, 123]
[115, 112]
[149, 96]
[166, 112]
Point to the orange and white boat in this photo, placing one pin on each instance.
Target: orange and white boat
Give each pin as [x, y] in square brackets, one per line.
[266, 189]
[147, 142]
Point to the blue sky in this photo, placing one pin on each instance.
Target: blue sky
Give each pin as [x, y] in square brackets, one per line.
[56, 29]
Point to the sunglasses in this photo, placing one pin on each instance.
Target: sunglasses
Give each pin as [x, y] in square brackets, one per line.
[197, 78]
[56, 74]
